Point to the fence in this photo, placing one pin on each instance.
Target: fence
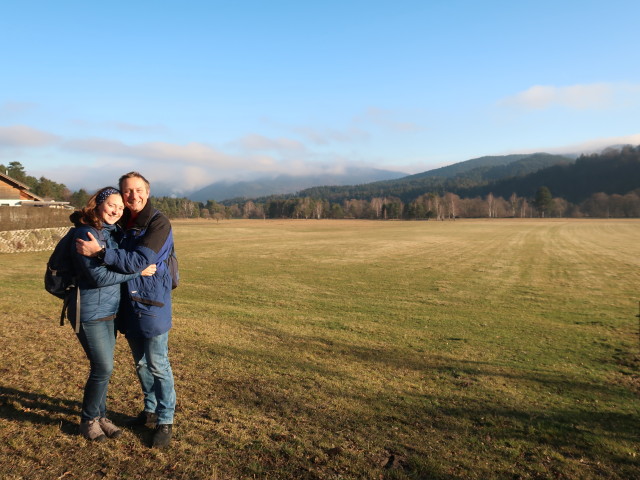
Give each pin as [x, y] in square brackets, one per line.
[25, 218]
[34, 240]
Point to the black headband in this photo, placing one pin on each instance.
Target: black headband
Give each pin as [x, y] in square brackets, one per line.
[102, 196]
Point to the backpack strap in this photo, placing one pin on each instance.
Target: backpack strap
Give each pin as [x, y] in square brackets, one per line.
[65, 309]
[65, 305]
[77, 309]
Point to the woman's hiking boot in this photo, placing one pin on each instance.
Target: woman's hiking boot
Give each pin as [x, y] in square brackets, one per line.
[109, 429]
[144, 418]
[90, 429]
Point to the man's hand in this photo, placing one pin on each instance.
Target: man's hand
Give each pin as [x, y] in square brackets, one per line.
[88, 248]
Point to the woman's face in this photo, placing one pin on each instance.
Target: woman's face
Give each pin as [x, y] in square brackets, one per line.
[111, 209]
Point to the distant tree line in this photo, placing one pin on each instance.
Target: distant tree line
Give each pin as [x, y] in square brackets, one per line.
[558, 191]
[429, 206]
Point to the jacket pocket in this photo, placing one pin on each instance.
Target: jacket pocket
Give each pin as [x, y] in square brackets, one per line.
[146, 302]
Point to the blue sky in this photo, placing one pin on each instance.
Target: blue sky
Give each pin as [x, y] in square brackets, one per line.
[193, 92]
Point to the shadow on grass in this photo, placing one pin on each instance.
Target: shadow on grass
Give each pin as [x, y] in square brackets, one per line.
[38, 408]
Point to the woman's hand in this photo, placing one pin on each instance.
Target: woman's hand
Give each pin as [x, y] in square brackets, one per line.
[150, 270]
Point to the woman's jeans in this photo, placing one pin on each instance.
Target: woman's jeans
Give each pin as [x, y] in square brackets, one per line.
[151, 357]
[98, 338]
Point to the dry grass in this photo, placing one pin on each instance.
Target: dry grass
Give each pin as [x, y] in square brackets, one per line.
[355, 349]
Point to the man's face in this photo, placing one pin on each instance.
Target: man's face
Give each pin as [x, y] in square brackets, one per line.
[135, 194]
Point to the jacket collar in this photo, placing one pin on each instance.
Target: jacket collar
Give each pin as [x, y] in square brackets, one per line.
[141, 220]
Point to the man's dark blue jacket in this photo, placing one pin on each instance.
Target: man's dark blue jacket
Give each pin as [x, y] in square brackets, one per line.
[147, 240]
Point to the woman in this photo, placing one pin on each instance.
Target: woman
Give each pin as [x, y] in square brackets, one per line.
[99, 302]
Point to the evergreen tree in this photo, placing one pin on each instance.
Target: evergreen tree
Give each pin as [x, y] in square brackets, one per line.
[79, 199]
[16, 170]
[543, 202]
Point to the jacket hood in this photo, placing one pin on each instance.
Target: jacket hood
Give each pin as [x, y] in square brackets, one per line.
[75, 218]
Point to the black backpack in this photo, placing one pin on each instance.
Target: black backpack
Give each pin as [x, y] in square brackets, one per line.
[61, 278]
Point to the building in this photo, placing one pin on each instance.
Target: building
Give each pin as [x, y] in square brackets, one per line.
[16, 194]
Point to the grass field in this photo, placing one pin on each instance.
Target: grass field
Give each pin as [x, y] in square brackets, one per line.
[355, 349]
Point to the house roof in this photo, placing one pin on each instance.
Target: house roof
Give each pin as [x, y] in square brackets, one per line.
[19, 186]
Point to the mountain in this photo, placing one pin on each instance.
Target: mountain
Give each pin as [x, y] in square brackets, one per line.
[496, 166]
[464, 175]
[285, 184]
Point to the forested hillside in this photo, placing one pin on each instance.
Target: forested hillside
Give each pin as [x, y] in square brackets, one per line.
[495, 167]
[471, 173]
[612, 172]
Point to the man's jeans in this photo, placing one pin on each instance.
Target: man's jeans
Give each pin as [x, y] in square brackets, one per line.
[98, 338]
[151, 356]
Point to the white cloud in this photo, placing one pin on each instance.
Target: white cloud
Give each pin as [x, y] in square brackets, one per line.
[256, 142]
[193, 153]
[120, 126]
[589, 146]
[357, 131]
[575, 97]
[130, 127]
[185, 167]
[23, 136]
[320, 136]
[598, 144]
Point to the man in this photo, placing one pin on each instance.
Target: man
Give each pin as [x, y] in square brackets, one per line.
[146, 316]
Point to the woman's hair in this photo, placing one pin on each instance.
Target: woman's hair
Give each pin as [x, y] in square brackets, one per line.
[88, 215]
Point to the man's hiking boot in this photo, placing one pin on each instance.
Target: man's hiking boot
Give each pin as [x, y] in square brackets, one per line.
[162, 436]
[109, 429]
[144, 418]
[90, 429]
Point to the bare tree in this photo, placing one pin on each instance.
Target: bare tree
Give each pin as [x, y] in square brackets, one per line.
[500, 207]
[376, 205]
[560, 207]
[524, 207]
[248, 209]
[451, 201]
[491, 205]
[355, 208]
[513, 204]
[234, 211]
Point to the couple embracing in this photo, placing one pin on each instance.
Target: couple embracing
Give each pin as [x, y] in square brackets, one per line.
[125, 285]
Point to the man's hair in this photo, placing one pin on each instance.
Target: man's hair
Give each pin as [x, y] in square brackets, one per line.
[134, 175]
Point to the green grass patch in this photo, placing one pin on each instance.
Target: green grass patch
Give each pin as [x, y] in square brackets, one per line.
[355, 349]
